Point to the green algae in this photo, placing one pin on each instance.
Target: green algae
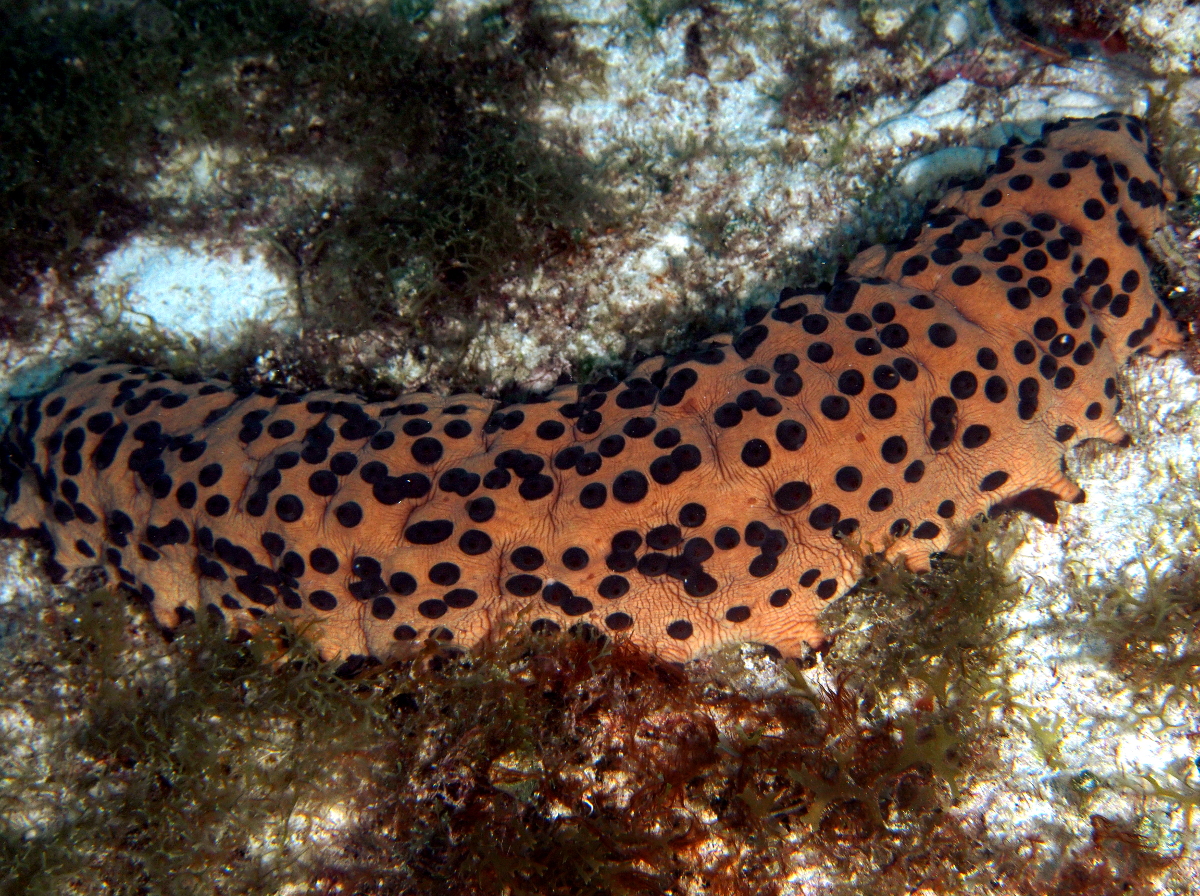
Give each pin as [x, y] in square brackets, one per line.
[452, 182]
[153, 765]
[539, 765]
[1152, 635]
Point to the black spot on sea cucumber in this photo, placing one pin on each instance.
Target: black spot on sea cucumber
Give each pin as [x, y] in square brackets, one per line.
[429, 531]
[630, 487]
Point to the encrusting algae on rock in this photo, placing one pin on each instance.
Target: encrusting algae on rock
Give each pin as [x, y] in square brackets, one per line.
[723, 495]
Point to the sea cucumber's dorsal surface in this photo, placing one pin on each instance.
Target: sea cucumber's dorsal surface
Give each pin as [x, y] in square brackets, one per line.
[723, 497]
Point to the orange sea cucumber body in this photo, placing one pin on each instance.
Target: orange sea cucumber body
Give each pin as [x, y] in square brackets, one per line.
[720, 496]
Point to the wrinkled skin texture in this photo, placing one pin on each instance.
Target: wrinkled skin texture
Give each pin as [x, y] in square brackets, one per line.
[724, 496]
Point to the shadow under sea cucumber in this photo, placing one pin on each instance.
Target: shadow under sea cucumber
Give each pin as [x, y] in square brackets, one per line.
[721, 495]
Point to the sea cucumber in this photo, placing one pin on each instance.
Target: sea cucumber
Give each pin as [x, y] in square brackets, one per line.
[721, 495]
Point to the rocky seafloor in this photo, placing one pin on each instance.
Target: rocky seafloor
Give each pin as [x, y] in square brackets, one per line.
[389, 195]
